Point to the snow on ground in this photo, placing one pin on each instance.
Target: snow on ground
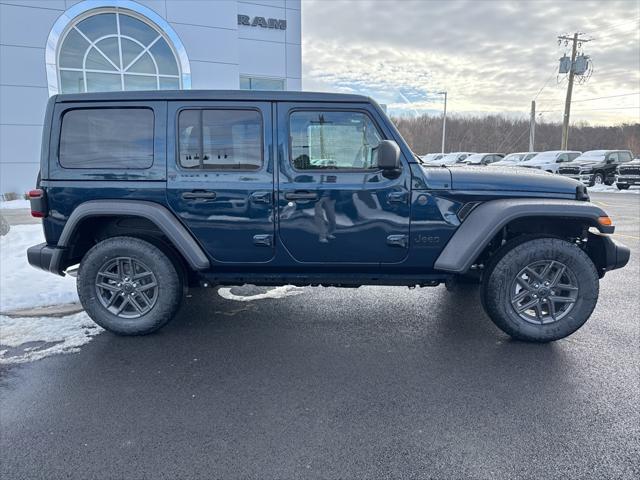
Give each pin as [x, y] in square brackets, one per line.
[612, 189]
[13, 204]
[277, 292]
[28, 339]
[23, 286]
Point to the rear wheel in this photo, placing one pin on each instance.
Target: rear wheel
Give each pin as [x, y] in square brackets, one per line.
[129, 286]
[540, 290]
[622, 186]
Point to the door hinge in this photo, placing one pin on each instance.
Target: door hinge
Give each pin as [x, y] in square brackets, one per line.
[263, 240]
[401, 241]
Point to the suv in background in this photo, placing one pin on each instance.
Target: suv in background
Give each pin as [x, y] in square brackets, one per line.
[483, 158]
[596, 167]
[628, 174]
[515, 159]
[151, 192]
[551, 160]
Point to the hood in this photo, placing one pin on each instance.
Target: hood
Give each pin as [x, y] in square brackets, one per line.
[511, 179]
[584, 163]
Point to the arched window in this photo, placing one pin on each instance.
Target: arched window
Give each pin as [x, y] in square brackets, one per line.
[114, 48]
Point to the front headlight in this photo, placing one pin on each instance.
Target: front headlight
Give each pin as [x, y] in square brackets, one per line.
[586, 171]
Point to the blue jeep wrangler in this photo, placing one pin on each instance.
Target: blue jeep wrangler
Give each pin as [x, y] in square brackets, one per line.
[150, 192]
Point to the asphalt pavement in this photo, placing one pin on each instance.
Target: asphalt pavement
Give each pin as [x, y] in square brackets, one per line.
[375, 382]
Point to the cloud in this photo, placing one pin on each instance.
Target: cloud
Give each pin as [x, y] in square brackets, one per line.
[491, 56]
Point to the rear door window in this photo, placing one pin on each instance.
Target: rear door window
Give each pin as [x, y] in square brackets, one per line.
[212, 139]
[107, 138]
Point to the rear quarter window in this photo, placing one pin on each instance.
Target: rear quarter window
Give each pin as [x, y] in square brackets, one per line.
[107, 138]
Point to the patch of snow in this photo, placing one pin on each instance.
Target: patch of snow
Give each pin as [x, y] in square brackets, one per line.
[23, 286]
[28, 339]
[277, 292]
[612, 189]
[14, 204]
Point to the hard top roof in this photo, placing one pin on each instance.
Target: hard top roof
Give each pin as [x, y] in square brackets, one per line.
[213, 95]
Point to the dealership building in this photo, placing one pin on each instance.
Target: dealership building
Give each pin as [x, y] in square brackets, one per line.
[68, 46]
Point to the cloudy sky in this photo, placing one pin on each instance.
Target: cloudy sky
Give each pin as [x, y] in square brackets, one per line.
[492, 56]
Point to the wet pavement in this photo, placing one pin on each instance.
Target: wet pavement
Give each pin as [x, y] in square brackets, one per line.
[339, 383]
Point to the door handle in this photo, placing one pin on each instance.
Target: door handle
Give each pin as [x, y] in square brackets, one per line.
[398, 197]
[301, 196]
[261, 197]
[263, 240]
[198, 195]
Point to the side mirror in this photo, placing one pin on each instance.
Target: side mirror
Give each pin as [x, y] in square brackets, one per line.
[609, 160]
[388, 155]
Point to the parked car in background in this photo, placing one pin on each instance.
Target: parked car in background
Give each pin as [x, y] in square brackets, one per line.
[453, 158]
[515, 159]
[483, 158]
[628, 174]
[551, 160]
[431, 157]
[596, 167]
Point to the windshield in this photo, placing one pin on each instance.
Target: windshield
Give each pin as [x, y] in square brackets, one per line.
[474, 159]
[451, 158]
[513, 158]
[592, 156]
[546, 156]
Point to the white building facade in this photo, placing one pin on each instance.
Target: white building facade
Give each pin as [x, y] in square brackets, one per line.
[69, 46]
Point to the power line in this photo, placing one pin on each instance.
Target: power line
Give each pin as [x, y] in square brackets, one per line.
[608, 96]
[593, 109]
[553, 74]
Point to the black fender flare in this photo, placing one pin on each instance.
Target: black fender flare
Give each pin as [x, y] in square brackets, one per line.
[159, 215]
[487, 219]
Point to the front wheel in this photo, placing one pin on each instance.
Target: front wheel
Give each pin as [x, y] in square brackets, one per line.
[622, 186]
[129, 286]
[597, 179]
[540, 290]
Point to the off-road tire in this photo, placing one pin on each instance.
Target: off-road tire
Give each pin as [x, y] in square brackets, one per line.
[622, 186]
[501, 272]
[169, 285]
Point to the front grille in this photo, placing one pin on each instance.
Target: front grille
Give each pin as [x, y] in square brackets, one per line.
[629, 170]
[569, 170]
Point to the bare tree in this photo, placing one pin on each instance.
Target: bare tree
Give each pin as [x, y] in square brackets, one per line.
[497, 133]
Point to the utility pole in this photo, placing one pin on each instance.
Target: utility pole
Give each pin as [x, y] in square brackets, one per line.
[567, 103]
[444, 119]
[532, 127]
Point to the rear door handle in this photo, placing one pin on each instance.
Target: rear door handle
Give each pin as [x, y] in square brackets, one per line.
[301, 195]
[199, 194]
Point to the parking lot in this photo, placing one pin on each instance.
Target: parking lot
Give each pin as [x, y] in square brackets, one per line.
[339, 383]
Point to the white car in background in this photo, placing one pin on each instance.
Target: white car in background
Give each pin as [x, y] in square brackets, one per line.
[515, 159]
[431, 157]
[453, 158]
[483, 158]
[551, 160]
